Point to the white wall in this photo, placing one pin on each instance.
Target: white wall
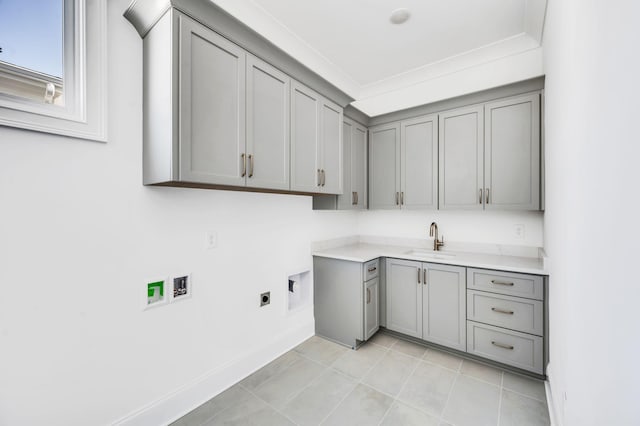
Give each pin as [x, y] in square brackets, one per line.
[79, 235]
[461, 226]
[591, 221]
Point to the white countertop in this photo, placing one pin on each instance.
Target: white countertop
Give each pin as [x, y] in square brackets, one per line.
[363, 252]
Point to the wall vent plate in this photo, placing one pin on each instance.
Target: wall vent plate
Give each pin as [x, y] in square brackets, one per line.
[181, 287]
[265, 298]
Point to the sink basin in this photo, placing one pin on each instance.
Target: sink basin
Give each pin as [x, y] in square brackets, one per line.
[429, 254]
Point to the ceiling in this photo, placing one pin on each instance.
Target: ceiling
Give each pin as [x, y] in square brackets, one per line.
[447, 48]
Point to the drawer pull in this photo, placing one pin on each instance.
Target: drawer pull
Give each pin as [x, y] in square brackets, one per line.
[502, 345]
[501, 282]
[502, 311]
[372, 269]
[418, 275]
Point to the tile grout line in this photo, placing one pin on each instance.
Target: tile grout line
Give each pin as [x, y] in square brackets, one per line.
[501, 395]
[395, 398]
[269, 405]
[453, 385]
[357, 382]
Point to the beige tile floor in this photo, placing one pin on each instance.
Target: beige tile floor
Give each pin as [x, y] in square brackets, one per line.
[385, 382]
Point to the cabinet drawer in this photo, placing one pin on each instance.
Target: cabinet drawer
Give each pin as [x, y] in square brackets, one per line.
[515, 313]
[510, 283]
[509, 347]
[371, 269]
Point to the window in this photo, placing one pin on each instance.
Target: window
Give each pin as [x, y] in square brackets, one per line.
[53, 66]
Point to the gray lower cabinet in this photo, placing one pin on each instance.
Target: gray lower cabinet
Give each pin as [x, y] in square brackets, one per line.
[316, 142]
[346, 299]
[427, 301]
[505, 318]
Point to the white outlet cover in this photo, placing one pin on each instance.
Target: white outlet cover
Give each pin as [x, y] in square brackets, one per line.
[518, 231]
[210, 240]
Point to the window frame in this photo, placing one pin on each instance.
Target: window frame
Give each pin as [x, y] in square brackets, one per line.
[83, 114]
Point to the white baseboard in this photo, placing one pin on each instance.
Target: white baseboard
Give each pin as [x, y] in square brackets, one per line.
[181, 401]
[553, 417]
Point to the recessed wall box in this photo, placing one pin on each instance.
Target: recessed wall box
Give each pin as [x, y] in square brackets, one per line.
[155, 292]
[181, 287]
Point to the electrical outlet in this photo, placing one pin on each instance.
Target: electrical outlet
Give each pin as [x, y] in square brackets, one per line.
[265, 298]
[210, 240]
[518, 231]
[182, 287]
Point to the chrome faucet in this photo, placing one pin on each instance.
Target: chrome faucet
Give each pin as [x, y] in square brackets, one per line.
[433, 232]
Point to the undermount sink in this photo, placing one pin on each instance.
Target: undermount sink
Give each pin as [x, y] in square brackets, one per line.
[430, 254]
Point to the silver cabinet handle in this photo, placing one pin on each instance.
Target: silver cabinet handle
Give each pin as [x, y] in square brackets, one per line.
[402, 198]
[319, 178]
[372, 269]
[501, 283]
[244, 165]
[353, 198]
[357, 199]
[418, 275]
[368, 296]
[486, 197]
[480, 197]
[502, 311]
[324, 178]
[250, 165]
[424, 276]
[502, 345]
[397, 195]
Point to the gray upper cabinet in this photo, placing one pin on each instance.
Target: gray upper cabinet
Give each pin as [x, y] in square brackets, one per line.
[267, 149]
[404, 164]
[354, 139]
[461, 158]
[384, 166]
[316, 142]
[512, 153]
[305, 139]
[444, 305]
[330, 155]
[212, 106]
[419, 163]
[490, 155]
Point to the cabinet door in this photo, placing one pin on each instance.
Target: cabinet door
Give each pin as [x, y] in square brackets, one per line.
[347, 199]
[419, 162]
[305, 126]
[371, 307]
[331, 147]
[384, 166]
[512, 153]
[359, 166]
[461, 158]
[404, 297]
[212, 107]
[444, 306]
[268, 100]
